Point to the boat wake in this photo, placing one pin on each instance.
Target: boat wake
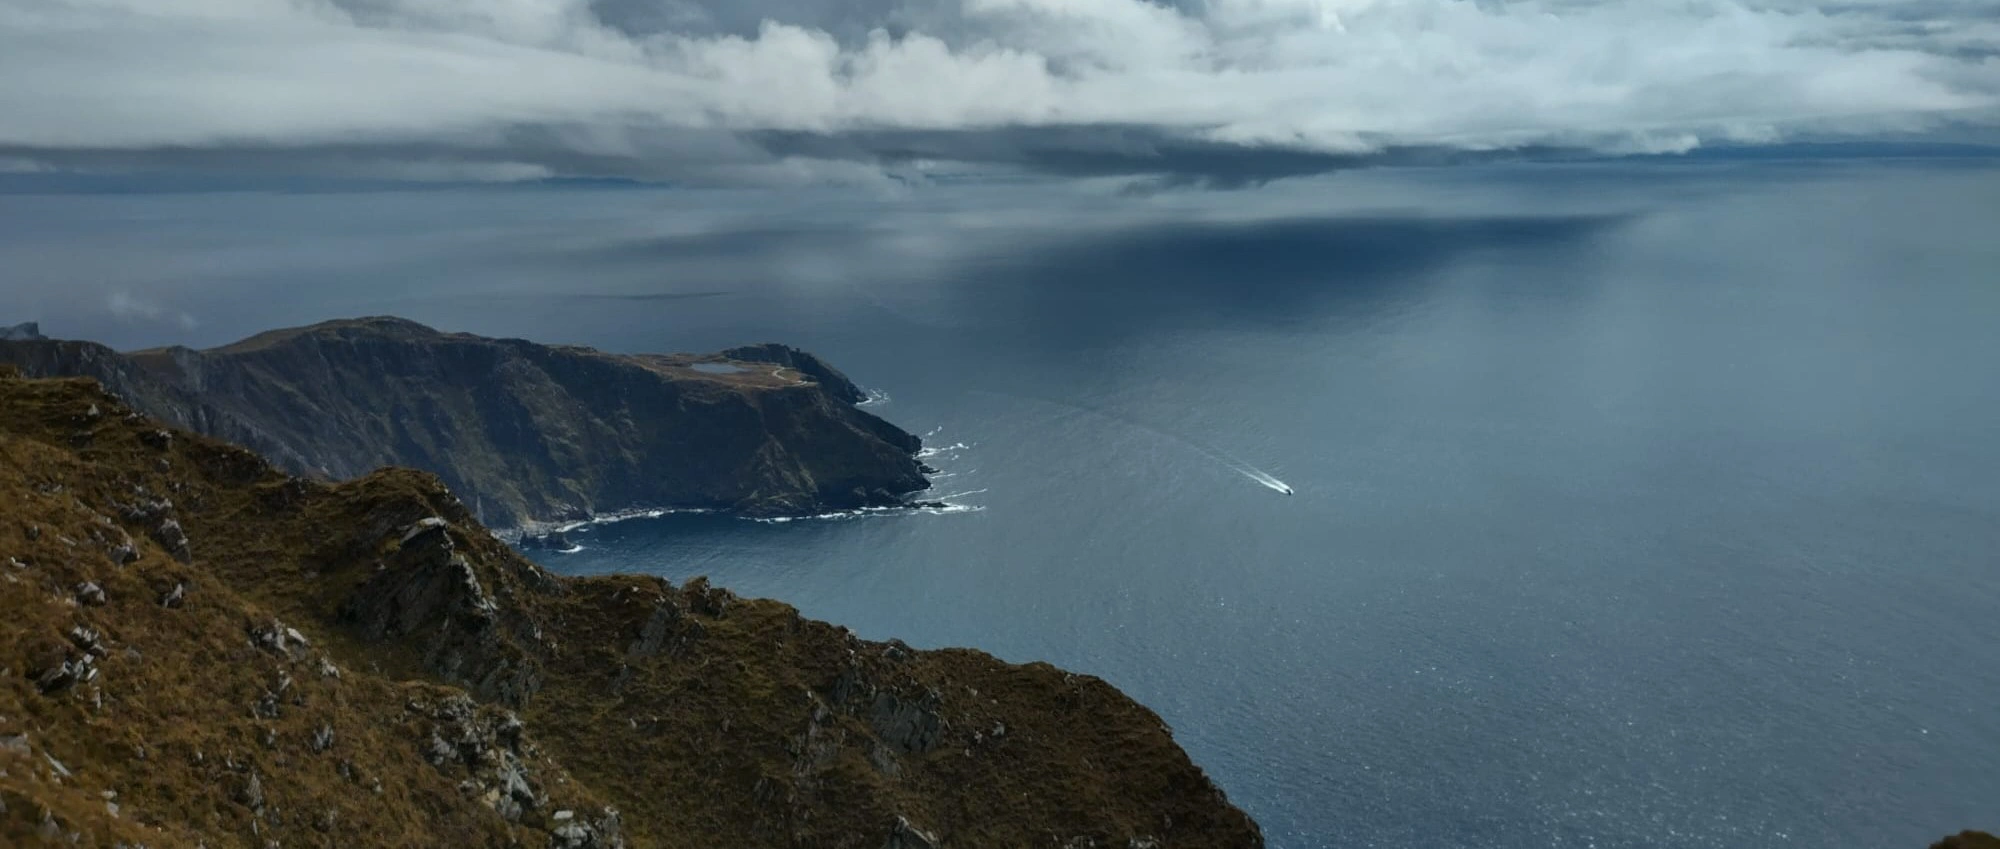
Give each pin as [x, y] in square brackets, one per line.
[1225, 459]
[1268, 480]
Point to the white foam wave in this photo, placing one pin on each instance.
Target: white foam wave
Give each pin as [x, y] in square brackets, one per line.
[939, 450]
[623, 515]
[946, 509]
[874, 397]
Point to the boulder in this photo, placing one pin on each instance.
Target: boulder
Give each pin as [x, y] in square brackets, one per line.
[912, 725]
[904, 835]
[88, 593]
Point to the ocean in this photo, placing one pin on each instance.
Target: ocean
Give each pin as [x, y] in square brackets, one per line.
[1630, 504]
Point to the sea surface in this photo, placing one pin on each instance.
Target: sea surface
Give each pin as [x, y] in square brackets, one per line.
[1634, 504]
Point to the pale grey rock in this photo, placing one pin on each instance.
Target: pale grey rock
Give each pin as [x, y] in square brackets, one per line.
[89, 593]
[906, 835]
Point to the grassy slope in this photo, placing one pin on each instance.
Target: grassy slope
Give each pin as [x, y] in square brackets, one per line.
[706, 720]
[169, 724]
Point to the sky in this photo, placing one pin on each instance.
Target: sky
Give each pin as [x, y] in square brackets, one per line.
[785, 92]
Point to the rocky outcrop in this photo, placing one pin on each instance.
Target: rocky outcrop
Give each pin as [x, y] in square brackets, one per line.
[523, 432]
[363, 664]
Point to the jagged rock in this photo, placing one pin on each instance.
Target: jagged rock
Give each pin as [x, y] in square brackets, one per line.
[513, 795]
[251, 794]
[174, 597]
[438, 751]
[431, 591]
[88, 639]
[509, 731]
[654, 633]
[174, 540]
[910, 725]
[276, 638]
[883, 759]
[425, 583]
[145, 511]
[572, 835]
[66, 673]
[576, 833]
[424, 527]
[322, 739]
[708, 600]
[89, 593]
[904, 835]
[124, 552]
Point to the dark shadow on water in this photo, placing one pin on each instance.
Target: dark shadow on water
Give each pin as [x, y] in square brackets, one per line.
[1272, 273]
[1057, 289]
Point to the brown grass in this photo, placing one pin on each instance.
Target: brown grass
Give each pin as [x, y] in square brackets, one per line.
[727, 722]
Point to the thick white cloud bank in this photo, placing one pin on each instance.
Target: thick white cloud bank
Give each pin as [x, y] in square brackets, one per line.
[518, 88]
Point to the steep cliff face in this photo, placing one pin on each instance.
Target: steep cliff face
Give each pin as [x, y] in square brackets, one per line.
[200, 649]
[522, 431]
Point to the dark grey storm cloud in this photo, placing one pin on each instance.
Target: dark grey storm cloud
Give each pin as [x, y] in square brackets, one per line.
[780, 91]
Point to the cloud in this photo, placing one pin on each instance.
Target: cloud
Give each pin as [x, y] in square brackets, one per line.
[128, 308]
[715, 91]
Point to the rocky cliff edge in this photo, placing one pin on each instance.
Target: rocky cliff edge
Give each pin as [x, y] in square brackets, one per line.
[524, 432]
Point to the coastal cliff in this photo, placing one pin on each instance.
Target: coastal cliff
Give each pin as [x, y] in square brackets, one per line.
[202, 650]
[524, 432]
